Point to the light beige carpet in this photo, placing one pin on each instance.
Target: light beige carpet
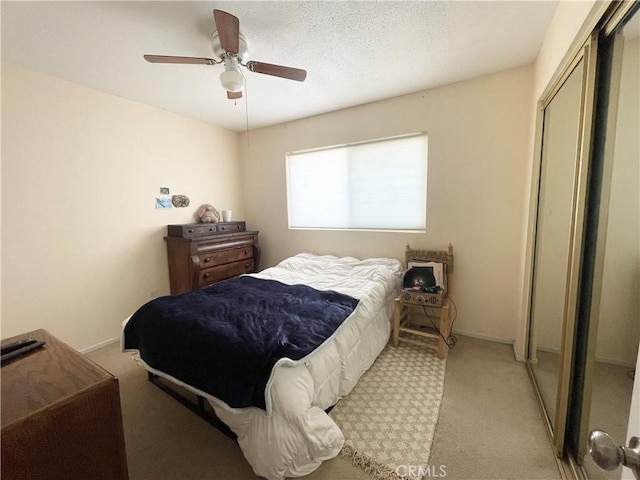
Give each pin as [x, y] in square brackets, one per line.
[490, 427]
[390, 417]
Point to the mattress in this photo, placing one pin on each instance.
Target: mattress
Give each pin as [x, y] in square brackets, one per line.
[294, 434]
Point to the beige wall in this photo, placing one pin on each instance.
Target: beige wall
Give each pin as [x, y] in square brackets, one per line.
[478, 138]
[567, 24]
[80, 170]
[82, 240]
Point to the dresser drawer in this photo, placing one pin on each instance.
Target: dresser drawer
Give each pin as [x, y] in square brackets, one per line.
[231, 227]
[225, 256]
[192, 230]
[222, 272]
[212, 245]
[200, 254]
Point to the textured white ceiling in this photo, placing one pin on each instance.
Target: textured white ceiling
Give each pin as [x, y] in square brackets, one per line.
[355, 52]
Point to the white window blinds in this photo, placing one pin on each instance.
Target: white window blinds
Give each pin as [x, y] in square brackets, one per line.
[378, 185]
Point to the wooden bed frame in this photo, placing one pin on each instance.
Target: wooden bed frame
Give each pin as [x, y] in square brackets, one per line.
[198, 406]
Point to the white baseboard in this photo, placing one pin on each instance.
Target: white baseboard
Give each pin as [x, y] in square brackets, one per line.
[519, 357]
[613, 361]
[483, 337]
[505, 341]
[100, 345]
[548, 349]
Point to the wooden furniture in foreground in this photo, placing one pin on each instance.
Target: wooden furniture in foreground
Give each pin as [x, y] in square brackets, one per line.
[61, 416]
[402, 321]
[200, 254]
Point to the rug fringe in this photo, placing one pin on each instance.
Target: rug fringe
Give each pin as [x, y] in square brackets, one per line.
[371, 466]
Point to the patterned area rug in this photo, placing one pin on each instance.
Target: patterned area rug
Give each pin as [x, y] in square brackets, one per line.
[389, 418]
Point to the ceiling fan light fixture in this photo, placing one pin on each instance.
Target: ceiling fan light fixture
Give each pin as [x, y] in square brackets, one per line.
[230, 48]
[232, 80]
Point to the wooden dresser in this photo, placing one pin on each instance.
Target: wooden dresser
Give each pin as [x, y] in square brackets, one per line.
[200, 254]
[61, 416]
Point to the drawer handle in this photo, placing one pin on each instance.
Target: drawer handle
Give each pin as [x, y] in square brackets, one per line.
[246, 252]
[207, 260]
[190, 230]
[212, 229]
[206, 275]
[246, 265]
[239, 227]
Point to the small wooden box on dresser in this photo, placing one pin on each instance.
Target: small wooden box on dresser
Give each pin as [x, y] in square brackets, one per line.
[200, 254]
[61, 416]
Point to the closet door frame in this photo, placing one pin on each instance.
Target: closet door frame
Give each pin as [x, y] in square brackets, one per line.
[580, 323]
[587, 54]
[609, 76]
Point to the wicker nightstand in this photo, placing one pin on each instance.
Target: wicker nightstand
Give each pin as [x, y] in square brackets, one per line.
[402, 322]
[410, 299]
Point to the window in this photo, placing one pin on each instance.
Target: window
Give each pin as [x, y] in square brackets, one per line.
[377, 185]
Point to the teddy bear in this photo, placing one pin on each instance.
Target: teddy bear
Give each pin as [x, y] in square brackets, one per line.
[207, 214]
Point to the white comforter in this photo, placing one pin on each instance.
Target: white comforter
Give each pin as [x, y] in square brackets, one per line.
[294, 435]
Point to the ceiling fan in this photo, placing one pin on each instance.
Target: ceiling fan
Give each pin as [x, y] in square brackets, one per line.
[230, 46]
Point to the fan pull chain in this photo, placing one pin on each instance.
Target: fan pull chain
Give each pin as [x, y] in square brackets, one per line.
[246, 104]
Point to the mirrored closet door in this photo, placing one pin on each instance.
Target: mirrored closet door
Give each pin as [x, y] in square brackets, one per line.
[611, 314]
[563, 147]
[584, 310]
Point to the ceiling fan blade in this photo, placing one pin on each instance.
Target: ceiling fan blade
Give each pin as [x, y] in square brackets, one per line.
[228, 28]
[234, 95]
[278, 70]
[171, 59]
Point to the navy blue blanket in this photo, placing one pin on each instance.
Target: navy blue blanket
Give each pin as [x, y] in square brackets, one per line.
[225, 339]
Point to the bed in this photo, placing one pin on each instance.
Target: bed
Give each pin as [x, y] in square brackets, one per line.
[291, 434]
